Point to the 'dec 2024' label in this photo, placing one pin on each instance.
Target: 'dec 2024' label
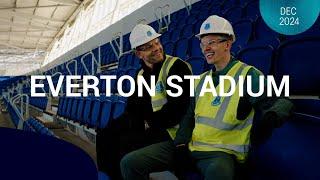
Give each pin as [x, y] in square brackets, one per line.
[289, 17]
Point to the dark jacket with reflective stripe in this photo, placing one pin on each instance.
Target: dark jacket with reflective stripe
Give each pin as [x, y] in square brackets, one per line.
[140, 109]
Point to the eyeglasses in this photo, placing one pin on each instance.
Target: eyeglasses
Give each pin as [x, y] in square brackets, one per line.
[212, 42]
[148, 46]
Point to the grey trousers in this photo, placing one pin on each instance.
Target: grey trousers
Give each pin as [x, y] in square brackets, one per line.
[159, 157]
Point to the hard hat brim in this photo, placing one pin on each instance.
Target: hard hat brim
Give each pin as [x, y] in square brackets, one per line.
[201, 34]
[147, 40]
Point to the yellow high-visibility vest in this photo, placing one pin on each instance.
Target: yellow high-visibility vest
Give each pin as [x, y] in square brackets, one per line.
[160, 97]
[216, 125]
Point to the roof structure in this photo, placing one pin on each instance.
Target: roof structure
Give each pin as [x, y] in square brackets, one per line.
[28, 28]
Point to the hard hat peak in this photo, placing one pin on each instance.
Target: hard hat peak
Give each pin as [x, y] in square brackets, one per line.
[216, 25]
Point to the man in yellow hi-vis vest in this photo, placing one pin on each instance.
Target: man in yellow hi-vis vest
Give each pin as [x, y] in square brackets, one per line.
[147, 119]
[215, 132]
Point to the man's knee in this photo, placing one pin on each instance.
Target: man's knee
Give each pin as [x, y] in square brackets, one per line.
[127, 161]
[221, 169]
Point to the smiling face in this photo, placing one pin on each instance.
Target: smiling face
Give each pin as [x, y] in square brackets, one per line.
[215, 48]
[151, 52]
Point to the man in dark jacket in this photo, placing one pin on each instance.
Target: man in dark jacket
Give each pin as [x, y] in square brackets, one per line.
[147, 119]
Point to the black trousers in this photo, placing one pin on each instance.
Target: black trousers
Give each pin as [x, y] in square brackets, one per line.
[118, 139]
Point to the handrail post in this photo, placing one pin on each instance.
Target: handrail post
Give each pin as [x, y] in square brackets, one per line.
[75, 67]
[93, 62]
[188, 5]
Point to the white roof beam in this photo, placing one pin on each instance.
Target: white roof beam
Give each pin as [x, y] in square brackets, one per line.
[12, 43]
[26, 31]
[32, 7]
[26, 36]
[29, 16]
[67, 2]
[71, 18]
[27, 25]
[43, 25]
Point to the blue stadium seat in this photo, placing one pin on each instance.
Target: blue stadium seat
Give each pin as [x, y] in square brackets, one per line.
[187, 31]
[194, 47]
[165, 37]
[191, 19]
[136, 62]
[182, 48]
[64, 107]
[299, 66]
[233, 14]
[182, 22]
[75, 103]
[126, 84]
[197, 26]
[245, 2]
[155, 25]
[175, 35]
[307, 106]
[126, 43]
[95, 113]
[81, 105]
[197, 64]
[182, 13]
[123, 62]
[119, 106]
[102, 176]
[168, 48]
[215, 9]
[262, 31]
[196, 6]
[228, 4]
[172, 25]
[252, 10]
[277, 158]
[69, 107]
[257, 56]
[265, 42]
[243, 32]
[105, 113]
[87, 110]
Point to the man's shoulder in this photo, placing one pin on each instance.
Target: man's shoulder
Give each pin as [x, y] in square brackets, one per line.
[253, 71]
[179, 64]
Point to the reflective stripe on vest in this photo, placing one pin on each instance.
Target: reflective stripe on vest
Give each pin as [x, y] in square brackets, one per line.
[217, 122]
[237, 148]
[217, 128]
[160, 98]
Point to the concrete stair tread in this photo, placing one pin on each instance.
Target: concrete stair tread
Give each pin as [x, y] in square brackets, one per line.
[49, 125]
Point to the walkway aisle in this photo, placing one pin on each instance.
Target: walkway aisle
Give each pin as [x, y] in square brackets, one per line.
[5, 119]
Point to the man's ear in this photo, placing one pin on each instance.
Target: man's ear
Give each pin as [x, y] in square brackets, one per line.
[138, 54]
[228, 45]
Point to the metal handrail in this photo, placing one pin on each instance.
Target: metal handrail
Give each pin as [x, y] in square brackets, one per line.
[76, 67]
[188, 5]
[119, 45]
[22, 114]
[163, 17]
[168, 19]
[94, 61]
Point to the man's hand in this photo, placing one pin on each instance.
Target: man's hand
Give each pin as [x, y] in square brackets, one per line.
[182, 160]
[265, 128]
[146, 125]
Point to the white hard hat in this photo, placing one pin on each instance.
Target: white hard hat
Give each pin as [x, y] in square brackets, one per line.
[216, 25]
[142, 34]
